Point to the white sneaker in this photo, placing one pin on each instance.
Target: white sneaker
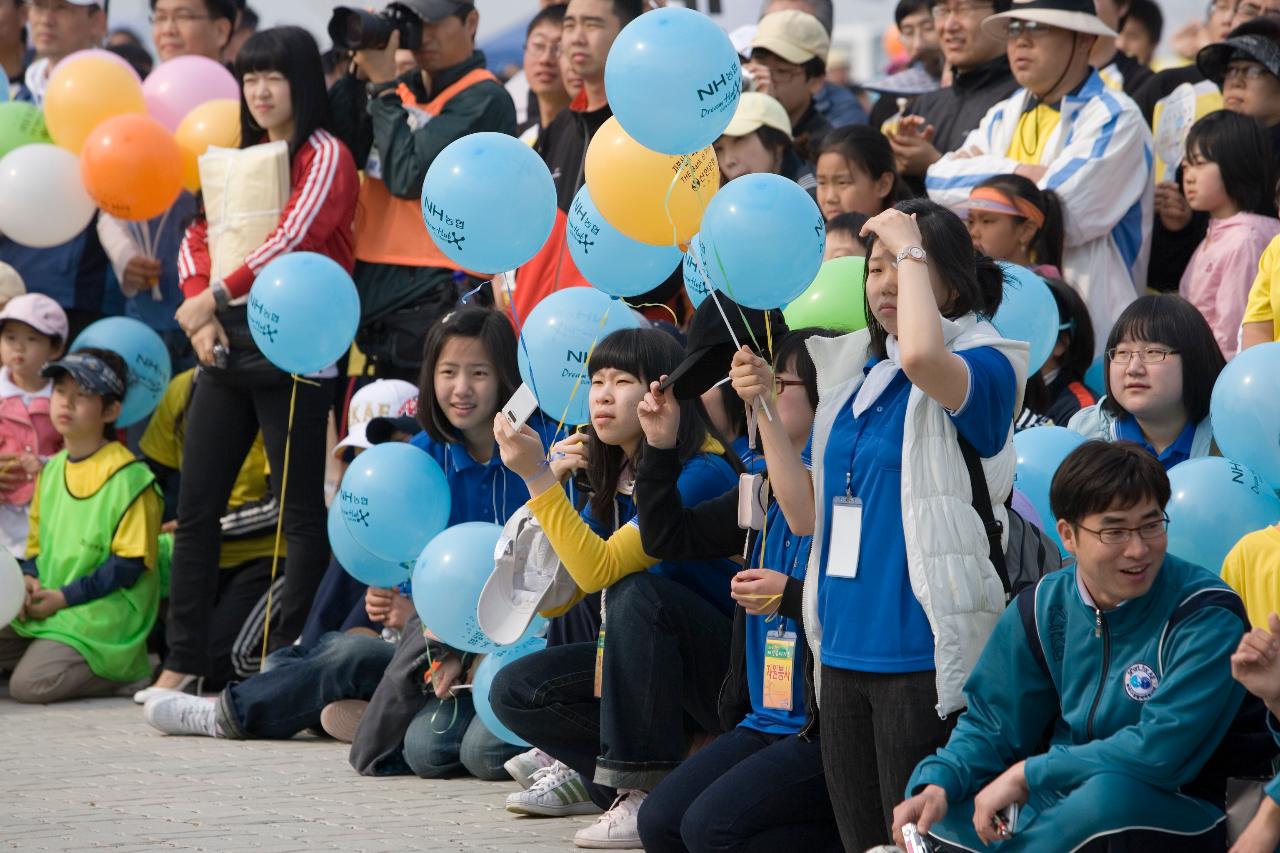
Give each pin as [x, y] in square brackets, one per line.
[616, 829]
[523, 766]
[188, 684]
[556, 791]
[180, 714]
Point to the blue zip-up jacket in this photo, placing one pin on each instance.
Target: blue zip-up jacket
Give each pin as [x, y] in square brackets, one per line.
[1144, 690]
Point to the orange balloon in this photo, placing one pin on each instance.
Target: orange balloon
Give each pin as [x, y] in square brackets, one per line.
[653, 198]
[84, 93]
[215, 123]
[132, 167]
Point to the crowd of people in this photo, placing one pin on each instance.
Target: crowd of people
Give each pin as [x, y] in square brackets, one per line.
[799, 542]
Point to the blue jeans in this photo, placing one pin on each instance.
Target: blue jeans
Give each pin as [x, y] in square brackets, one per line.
[665, 654]
[746, 791]
[288, 697]
[447, 736]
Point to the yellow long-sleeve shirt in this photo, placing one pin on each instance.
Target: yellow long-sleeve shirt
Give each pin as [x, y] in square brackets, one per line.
[1252, 568]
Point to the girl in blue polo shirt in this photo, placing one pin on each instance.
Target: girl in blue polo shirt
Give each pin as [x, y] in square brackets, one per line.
[900, 594]
[1162, 362]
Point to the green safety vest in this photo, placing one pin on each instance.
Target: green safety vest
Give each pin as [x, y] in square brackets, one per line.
[110, 633]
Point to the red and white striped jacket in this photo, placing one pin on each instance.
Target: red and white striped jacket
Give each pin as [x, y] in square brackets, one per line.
[317, 218]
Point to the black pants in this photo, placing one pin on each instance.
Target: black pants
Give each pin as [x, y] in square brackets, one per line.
[876, 727]
[239, 590]
[666, 649]
[227, 409]
[746, 791]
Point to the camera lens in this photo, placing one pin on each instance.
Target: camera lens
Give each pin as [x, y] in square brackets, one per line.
[356, 29]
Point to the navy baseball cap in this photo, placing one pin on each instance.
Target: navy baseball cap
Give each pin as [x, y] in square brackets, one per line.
[90, 373]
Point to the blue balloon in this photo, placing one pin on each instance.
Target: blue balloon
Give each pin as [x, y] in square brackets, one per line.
[359, 563]
[1040, 451]
[673, 79]
[143, 351]
[489, 202]
[1095, 379]
[447, 580]
[1245, 409]
[609, 259]
[694, 265]
[1214, 502]
[484, 679]
[395, 499]
[303, 312]
[765, 235]
[558, 334]
[1028, 312]
[4, 86]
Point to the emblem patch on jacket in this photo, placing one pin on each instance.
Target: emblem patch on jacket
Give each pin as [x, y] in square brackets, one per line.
[1140, 682]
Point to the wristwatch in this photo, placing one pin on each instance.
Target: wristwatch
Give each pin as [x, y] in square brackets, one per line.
[910, 253]
[221, 297]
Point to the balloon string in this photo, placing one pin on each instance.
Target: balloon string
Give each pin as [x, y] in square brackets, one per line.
[470, 293]
[515, 316]
[577, 383]
[284, 485]
[675, 321]
[156, 295]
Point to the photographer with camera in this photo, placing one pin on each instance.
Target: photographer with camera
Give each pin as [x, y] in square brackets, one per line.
[395, 127]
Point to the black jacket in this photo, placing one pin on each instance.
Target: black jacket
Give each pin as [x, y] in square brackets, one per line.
[671, 531]
[957, 109]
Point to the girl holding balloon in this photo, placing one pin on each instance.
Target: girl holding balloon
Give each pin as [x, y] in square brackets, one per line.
[283, 99]
[667, 622]
[1162, 363]
[469, 369]
[888, 497]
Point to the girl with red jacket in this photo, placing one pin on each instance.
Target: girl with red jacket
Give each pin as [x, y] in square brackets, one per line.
[240, 392]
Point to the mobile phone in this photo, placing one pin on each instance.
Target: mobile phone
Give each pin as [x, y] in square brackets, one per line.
[219, 354]
[520, 407]
[1007, 820]
[916, 843]
[753, 501]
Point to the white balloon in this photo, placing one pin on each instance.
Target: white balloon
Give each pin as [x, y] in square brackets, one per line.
[43, 201]
[12, 590]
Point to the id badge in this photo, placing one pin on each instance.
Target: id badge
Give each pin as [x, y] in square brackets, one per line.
[846, 537]
[373, 165]
[779, 669]
[599, 661]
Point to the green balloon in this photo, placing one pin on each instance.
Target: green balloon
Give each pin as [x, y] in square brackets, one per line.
[21, 124]
[834, 300]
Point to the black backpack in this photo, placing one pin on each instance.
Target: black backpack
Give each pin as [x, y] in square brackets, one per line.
[1030, 555]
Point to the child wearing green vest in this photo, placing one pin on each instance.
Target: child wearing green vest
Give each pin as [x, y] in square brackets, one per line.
[92, 591]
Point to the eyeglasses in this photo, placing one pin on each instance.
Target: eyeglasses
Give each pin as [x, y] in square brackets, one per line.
[182, 18]
[780, 385]
[1148, 355]
[1032, 29]
[1245, 71]
[960, 10]
[1122, 535]
[1219, 7]
[543, 48]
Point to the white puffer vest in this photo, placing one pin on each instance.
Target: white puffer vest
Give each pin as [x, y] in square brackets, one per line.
[948, 555]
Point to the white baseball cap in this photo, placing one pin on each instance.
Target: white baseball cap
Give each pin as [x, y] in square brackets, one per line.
[386, 398]
[527, 578]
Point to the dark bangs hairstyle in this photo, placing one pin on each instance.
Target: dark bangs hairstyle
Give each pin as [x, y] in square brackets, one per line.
[646, 354]
[910, 7]
[1106, 475]
[1242, 150]
[1049, 238]
[793, 352]
[975, 282]
[292, 51]
[868, 149]
[493, 331]
[1169, 320]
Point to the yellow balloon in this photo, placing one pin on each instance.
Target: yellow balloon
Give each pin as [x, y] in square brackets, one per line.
[85, 92]
[653, 198]
[214, 123]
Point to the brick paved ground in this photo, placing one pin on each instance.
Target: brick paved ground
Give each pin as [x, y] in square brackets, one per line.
[94, 776]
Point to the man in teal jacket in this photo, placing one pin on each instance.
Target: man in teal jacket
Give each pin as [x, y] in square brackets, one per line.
[1102, 692]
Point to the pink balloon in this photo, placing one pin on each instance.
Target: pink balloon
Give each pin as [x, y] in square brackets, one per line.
[101, 54]
[183, 83]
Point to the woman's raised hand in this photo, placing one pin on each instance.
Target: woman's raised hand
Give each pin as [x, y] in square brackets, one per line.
[659, 417]
[750, 376]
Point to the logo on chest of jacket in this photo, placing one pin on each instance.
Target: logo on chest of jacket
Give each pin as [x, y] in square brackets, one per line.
[1140, 682]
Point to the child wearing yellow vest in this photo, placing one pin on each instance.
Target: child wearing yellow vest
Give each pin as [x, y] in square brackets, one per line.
[92, 591]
